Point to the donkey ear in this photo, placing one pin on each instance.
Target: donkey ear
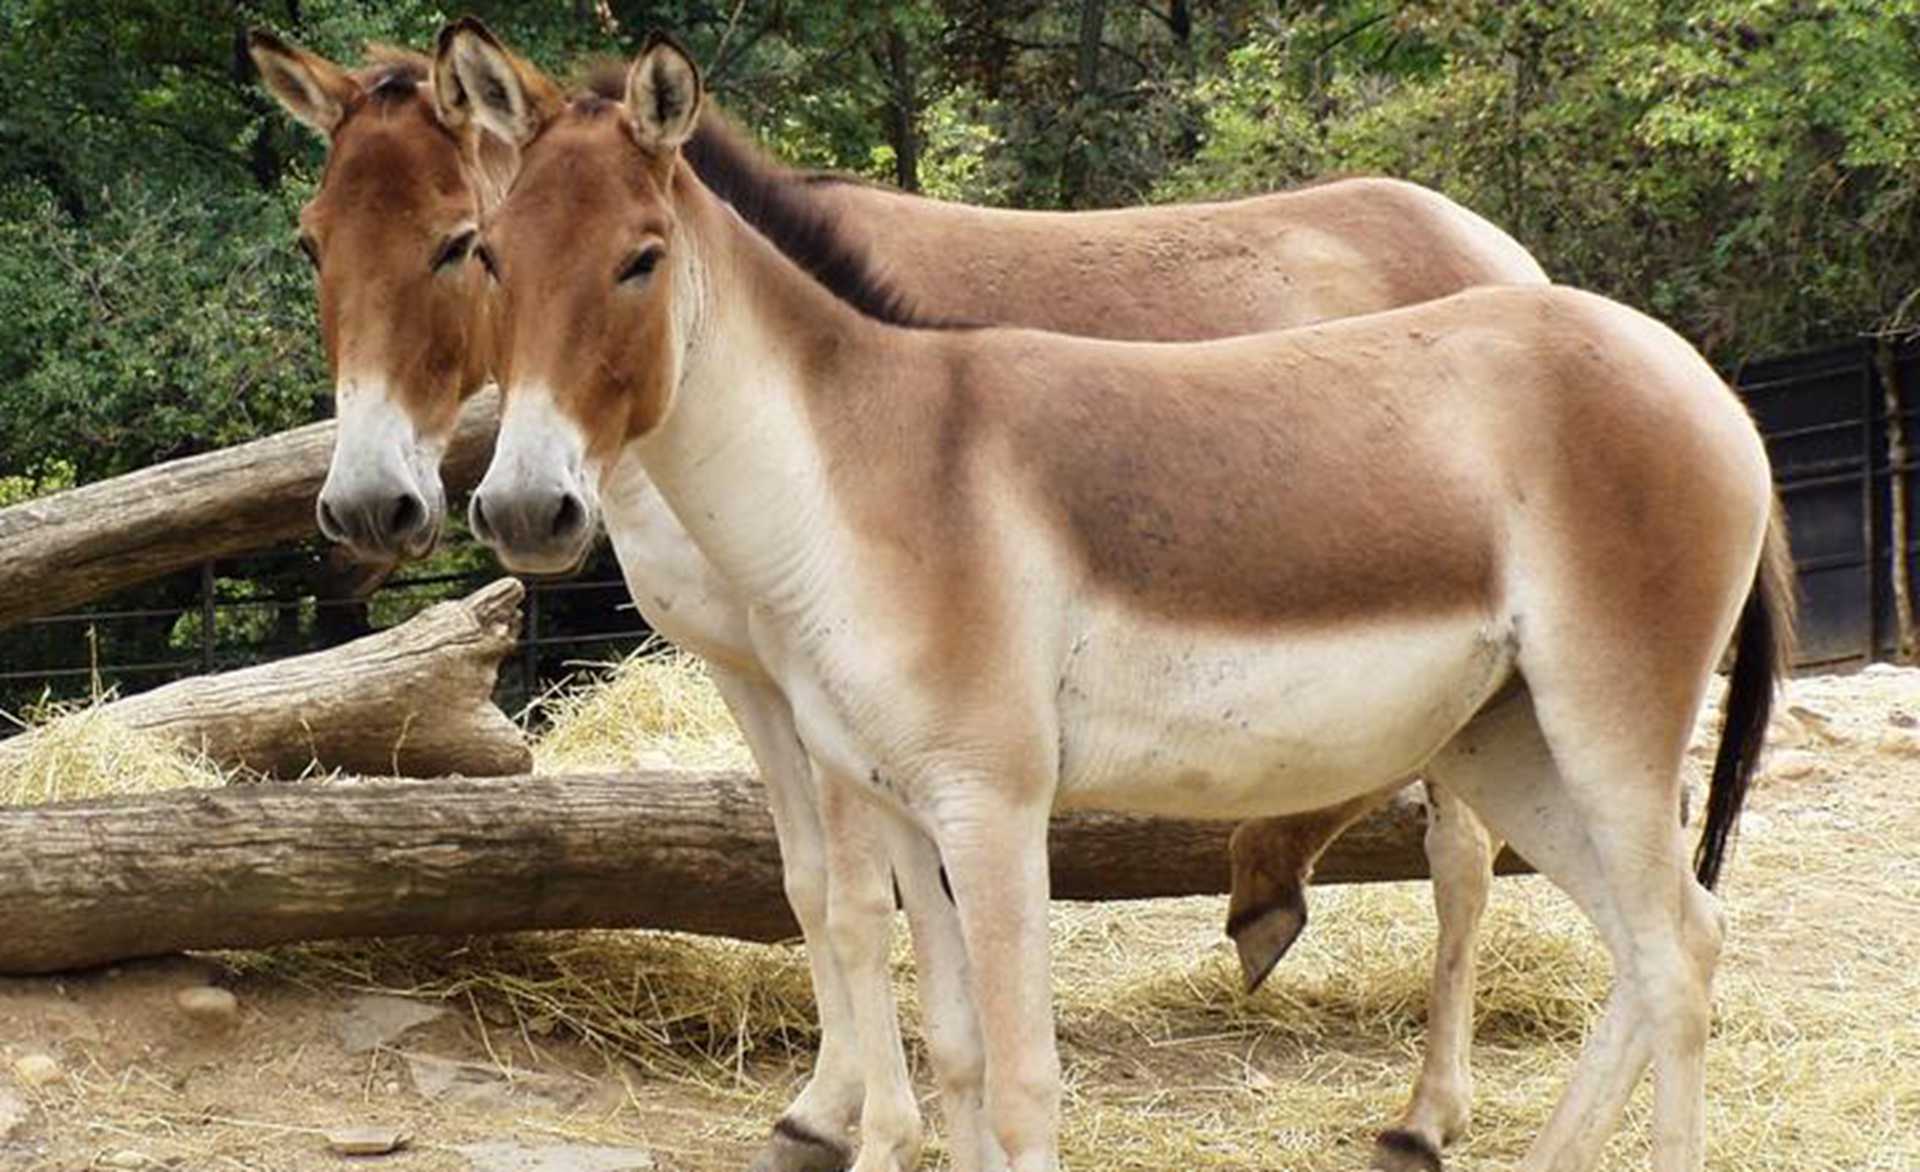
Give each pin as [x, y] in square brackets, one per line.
[474, 76]
[313, 89]
[663, 94]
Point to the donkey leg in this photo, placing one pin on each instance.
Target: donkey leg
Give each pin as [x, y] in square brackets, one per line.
[1273, 859]
[811, 1134]
[860, 905]
[996, 857]
[949, 1019]
[1601, 825]
[1460, 856]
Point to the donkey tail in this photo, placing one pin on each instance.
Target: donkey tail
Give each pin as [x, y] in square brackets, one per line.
[1762, 655]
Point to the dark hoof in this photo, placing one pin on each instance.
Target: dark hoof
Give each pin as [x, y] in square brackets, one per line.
[794, 1147]
[1403, 1151]
[1262, 936]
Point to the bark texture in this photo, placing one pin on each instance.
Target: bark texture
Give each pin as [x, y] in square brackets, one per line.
[88, 883]
[414, 700]
[70, 548]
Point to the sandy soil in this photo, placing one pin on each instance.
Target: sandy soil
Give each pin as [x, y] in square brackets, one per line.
[1813, 1063]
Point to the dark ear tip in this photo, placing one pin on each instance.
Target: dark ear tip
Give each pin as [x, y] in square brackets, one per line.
[469, 24]
[658, 38]
[264, 40]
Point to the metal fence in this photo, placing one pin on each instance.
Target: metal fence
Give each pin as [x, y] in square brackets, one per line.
[1830, 422]
[1825, 415]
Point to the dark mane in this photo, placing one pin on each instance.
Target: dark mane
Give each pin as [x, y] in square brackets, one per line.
[778, 203]
[392, 73]
[772, 198]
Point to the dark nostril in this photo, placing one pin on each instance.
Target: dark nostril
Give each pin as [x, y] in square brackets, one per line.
[477, 520]
[408, 514]
[330, 526]
[570, 516]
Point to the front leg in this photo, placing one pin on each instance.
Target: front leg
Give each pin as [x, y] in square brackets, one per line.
[948, 1017]
[996, 858]
[811, 1135]
[860, 904]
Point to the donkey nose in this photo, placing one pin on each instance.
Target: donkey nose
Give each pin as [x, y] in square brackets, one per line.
[385, 522]
[527, 520]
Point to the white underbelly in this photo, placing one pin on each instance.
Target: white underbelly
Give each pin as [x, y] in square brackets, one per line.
[1158, 720]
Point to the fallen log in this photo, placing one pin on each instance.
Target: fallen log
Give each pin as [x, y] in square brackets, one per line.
[88, 883]
[72, 547]
[414, 700]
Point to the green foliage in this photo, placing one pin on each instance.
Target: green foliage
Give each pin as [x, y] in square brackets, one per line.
[1748, 170]
[1744, 169]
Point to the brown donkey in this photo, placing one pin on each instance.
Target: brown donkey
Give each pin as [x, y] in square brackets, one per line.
[394, 225]
[1502, 538]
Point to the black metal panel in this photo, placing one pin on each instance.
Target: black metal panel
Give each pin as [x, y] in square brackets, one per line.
[1820, 414]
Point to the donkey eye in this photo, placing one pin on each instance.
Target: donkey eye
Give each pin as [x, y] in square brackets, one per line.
[642, 264]
[454, 250]
[311, 249]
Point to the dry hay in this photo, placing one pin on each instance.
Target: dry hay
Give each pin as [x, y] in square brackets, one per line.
[81, 751]
[1814, 1062]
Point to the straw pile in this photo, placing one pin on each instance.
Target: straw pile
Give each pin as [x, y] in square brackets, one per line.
[1814, 1063]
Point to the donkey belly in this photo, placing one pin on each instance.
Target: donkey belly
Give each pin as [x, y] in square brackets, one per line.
[1220, 724]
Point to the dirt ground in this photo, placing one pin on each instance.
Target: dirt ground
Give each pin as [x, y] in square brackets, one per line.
[1814, 1064]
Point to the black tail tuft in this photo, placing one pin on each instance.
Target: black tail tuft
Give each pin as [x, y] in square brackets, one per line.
[1763, 652]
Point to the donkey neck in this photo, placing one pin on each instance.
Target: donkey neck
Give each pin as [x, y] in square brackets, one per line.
[764, 348]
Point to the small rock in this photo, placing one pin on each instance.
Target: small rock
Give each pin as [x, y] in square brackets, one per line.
[1814, 724]
[125, 1158]
[476, 1085]
[1902, 719]
[1791, 765]
[207, 1004]
[37, 1070]
[366, 1141]
[374, 1020]
[651, 760]
[1786, 732]
[1900, 742]
[13, 1115]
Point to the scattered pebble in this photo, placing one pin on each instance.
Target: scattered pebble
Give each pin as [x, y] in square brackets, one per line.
[13, 1114]
[373, 1020]
[208, 1004]
[1791, 765]
[1900, 742]
[1787, 732]
[37, 1070]
[1899, 718]
[366, 1141]
[125, 1158]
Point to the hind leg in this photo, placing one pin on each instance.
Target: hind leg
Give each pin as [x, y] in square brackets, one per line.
[1273, 859]
[1595, 813]
[1460, 855]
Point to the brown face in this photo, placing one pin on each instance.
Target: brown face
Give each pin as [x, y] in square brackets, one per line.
[583, 253]
[403, 304]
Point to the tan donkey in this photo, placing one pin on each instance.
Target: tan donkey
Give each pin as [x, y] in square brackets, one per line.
[397, 185]
[1502, 538]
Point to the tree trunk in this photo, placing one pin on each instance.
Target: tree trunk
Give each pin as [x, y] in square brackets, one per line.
[1076, 168]
[72, 547]
[414, 700]
[1906, 627]
[87, 883]
[903, 111]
